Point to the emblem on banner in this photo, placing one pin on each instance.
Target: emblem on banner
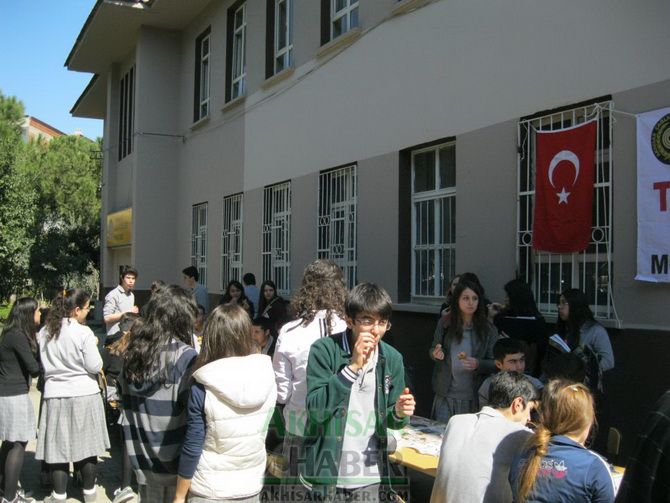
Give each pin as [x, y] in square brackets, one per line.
[660, 139]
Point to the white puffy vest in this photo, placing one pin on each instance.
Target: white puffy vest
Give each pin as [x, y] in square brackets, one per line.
[239, 401]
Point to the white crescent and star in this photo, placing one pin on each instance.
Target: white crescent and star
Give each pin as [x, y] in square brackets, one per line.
[563, 155]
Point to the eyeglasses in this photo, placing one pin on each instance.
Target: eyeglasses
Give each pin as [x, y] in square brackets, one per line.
[367, 323]
[562, 304]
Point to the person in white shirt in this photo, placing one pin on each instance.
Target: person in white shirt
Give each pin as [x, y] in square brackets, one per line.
[320, 306]
[118, 301]
[478, 449]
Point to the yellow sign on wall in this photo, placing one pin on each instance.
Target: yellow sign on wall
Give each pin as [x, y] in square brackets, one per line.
[119, 227]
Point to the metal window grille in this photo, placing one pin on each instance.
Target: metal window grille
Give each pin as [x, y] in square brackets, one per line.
[277, 235]
[204, 77]
[433, 220]
[126, 112]
[338, 193]
[199, 241]
[231, 240]
[283, 34]
[343, 16]
[239, 51]
[590, 270]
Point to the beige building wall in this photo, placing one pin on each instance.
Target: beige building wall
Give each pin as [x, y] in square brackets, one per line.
[466, 70]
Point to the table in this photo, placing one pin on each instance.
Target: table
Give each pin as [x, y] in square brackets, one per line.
[419, 445]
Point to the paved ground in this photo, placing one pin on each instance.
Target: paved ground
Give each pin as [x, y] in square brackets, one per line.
[109, 469]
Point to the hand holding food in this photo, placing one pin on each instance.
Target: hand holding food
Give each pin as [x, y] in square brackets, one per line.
[363, 349]
[470, 363]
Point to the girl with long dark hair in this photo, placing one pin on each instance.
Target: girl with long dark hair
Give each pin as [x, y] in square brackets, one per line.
[157, 366]
[272, 306]
[72, 424]
[585, 336]
[466, 354]
[558, 467]
[17, 416]
[232, 397]
[234, 294]
[519, 318]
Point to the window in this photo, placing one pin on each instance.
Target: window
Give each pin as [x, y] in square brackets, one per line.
[279, 44]
[199, 241]
[337, 18]
[277, 235]
[433, 220]
[231, 240]
[201, 100]
[590, 270]
[343, 17]
[337, 220]
[126, 113]
[237, 42]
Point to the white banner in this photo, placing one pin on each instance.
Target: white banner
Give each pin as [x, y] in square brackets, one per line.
[653, 196]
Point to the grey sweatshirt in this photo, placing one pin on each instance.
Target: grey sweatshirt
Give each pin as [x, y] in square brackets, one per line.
[71, 362]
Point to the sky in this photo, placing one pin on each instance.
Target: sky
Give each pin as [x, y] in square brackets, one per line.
[36, 37]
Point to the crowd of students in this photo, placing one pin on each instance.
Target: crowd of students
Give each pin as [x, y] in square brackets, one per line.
[200, 397]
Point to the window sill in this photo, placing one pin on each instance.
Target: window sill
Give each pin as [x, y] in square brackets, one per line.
[234, 103]
[339, 43]
[278, 77]
[405, 6]
[199, 123]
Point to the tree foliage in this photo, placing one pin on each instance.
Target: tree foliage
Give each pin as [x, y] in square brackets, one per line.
[17, 201]
[49, 208]
[67, 232]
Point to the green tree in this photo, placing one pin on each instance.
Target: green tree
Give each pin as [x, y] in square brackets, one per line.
[67, 244]
[17, 201]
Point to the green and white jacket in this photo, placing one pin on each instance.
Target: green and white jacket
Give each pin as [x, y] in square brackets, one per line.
[329, 383]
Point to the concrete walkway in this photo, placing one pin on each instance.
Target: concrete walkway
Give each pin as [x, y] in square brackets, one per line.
[109, 468]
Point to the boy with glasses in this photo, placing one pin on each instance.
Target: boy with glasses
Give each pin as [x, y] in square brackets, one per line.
[355, 392]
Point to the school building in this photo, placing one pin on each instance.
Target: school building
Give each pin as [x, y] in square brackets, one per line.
[394, 137]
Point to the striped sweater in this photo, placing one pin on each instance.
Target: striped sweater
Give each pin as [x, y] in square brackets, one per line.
[154, 416]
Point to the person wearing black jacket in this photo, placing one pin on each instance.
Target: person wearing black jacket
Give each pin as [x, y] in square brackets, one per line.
[17, 416]
[520, 319]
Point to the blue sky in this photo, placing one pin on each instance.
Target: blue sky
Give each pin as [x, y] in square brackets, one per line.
[35, 38]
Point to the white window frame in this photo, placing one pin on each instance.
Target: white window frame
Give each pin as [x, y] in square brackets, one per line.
[277, 236]
[443, 201]
[239, 63]
[283, 54]
[231, 240]
[337, 223]
[590, 270]
[203, 91]
[345, 15]
[199, 240]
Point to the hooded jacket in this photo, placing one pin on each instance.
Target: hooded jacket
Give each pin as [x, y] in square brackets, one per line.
[240, 395]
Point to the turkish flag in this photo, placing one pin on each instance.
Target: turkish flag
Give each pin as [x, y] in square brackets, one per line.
[564, 188]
